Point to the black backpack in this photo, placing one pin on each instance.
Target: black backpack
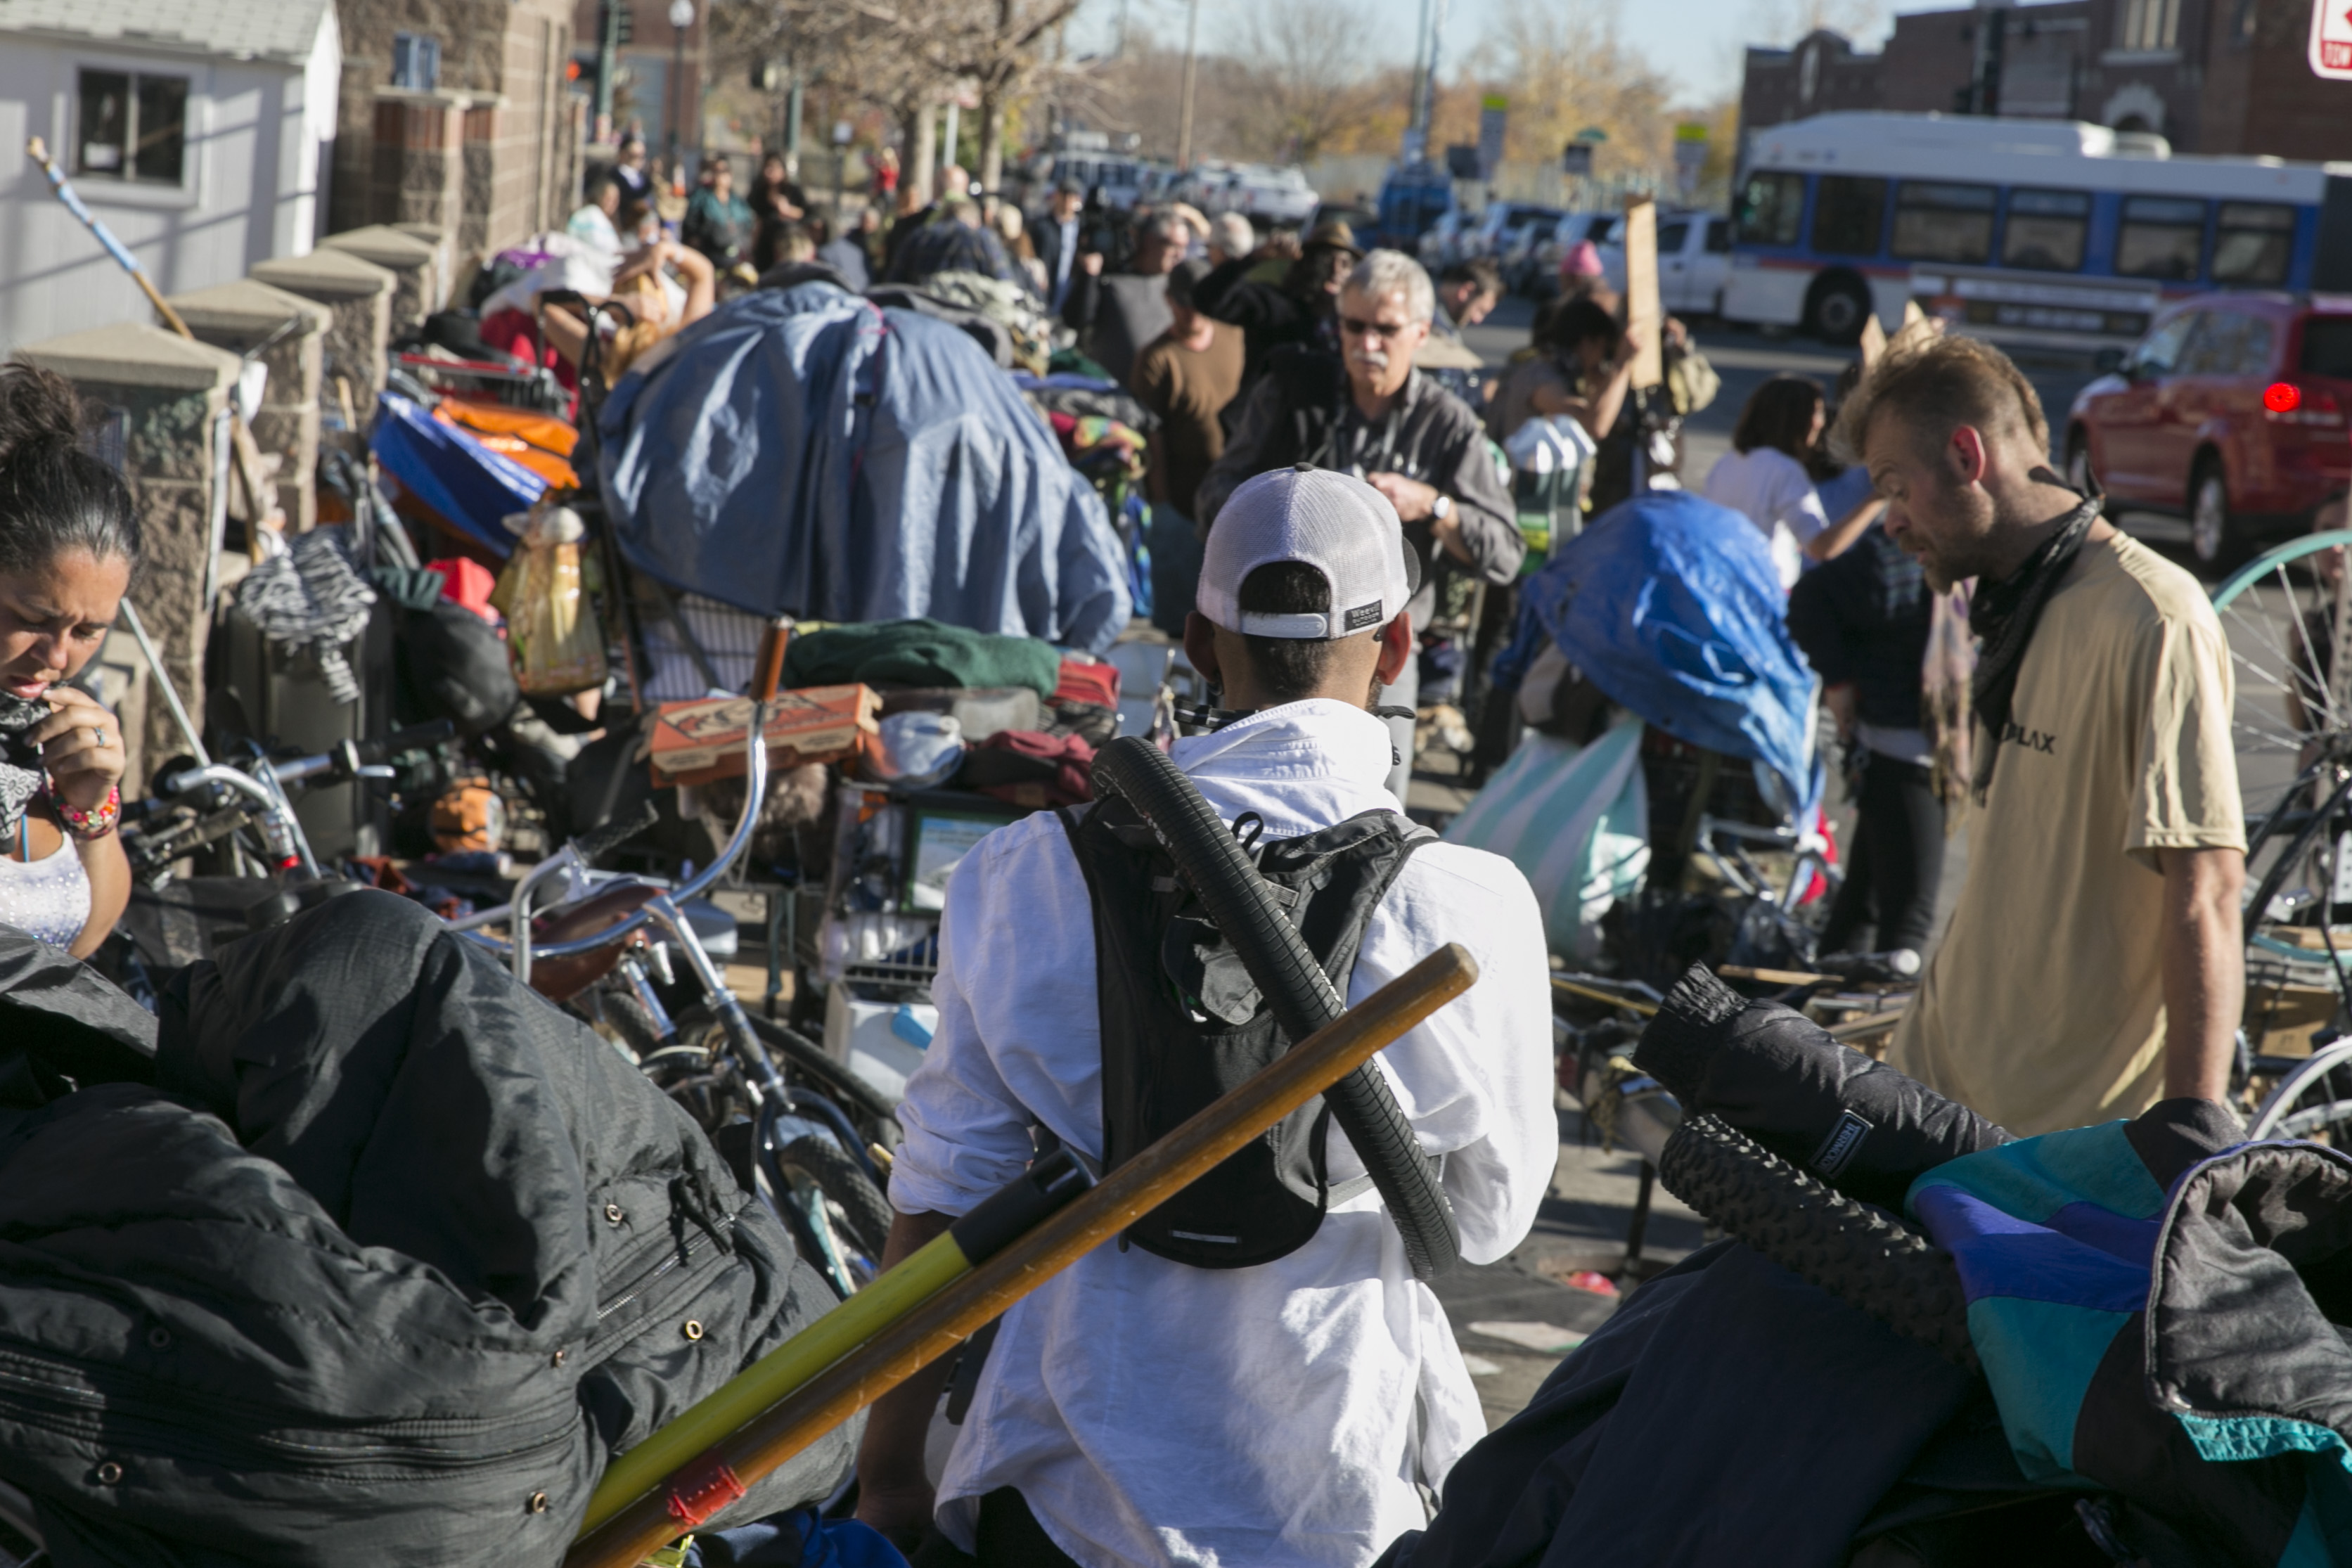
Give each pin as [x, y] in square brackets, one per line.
[1183, 1022]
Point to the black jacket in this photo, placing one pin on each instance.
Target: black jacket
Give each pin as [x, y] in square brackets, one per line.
[365, 1256]
[1863, 616]
[1269, 317]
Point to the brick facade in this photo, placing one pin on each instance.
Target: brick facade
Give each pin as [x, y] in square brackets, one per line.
[2212, 76]
[490, 152]
[651, 57]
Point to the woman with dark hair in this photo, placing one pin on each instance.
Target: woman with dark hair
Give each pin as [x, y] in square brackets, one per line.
[69, 542]
[1767, 475]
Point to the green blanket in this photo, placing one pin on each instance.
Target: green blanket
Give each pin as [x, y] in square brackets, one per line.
[919, 653]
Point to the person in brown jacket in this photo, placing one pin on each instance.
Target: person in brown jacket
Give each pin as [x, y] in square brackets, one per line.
[1186, 376]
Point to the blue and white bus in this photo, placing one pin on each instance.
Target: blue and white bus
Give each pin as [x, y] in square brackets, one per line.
[2032, 230]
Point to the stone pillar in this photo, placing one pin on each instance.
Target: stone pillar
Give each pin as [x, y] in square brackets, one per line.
[240, 317]
[420, 284]
[359, 296]
[445, 256]
[170, 393]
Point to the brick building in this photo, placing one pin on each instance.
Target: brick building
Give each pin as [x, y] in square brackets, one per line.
[457, 113]
[652, 53]
[2210, 75]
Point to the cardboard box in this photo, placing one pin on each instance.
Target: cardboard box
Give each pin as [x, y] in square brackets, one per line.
[696, 741]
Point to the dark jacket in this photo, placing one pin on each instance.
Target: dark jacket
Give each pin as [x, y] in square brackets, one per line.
[1045, 233]
[1269, 317]
[722, 230]
[1300, 412]
[1863, 616]
[1116, 316]
[365, 1254]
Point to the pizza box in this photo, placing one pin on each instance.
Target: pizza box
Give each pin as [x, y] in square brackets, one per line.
[699, 741]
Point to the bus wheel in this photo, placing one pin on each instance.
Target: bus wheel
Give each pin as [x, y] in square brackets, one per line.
[1837, 307]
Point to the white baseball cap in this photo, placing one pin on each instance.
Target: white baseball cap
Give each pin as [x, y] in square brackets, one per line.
[1334, 523]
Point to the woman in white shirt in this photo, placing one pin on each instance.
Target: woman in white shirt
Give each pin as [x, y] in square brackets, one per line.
[1764, 477]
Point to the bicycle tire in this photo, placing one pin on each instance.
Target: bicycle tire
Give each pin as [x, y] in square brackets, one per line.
[1301, 997]
[838, 1177]
[1859, 1255]
[808, 1057]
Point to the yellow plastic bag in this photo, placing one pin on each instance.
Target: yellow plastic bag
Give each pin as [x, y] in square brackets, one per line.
[553, 638]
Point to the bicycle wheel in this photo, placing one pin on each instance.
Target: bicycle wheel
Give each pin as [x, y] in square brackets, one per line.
[2312, 1100]
[838, 1218]
[1863, 1255]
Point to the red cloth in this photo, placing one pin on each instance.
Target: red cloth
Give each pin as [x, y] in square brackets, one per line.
[1085, 682]
[467, 583]
[516, 333]
[1029, 767]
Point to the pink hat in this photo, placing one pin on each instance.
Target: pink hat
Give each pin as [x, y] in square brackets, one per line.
[1582, 260]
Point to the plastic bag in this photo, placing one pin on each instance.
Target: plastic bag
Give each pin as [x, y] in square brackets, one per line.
[917, 749]
[553, 638]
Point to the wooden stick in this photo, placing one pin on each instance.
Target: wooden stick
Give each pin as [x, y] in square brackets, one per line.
[945, 1320]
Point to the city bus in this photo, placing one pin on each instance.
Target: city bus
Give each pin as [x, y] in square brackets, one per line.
[2038, 231]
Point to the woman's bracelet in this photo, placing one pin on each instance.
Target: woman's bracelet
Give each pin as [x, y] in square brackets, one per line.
[95, 823]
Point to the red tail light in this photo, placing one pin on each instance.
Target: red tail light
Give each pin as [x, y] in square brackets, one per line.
[2282, 397]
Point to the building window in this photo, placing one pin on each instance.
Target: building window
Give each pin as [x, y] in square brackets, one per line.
[1935, 222]
[2047, 230]
[2252, 243]
[133, 127]
[1848, 216]
[2161, 237]
[1771, 209]
[415, 61]
[2144, 26]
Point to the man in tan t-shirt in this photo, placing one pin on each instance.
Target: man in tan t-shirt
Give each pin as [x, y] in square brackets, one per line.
[1186, 376]
[2093, 965]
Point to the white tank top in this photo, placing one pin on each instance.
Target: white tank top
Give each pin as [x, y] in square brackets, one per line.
[48, 898]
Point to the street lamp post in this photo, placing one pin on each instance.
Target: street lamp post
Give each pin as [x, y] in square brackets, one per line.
[681, 17]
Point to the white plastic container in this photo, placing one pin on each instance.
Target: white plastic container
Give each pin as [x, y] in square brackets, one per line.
[881, 1042]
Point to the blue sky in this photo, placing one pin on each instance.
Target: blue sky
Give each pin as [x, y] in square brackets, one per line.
[1663, 29]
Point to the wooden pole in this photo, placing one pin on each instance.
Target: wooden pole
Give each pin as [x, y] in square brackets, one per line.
[726, 1470]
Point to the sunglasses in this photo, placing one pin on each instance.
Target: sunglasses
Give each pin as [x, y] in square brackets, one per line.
[1391, 332]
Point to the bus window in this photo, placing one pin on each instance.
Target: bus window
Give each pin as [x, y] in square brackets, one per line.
[1935, 222]
[2047, 230]
[1771, 209]
[2253, 243]
[2161, 237]
[1848, 213]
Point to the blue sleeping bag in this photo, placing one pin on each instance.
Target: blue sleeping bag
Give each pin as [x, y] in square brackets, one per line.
[1670, 604]
[803, 451]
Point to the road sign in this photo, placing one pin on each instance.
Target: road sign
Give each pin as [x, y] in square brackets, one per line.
[1493, 112]
[2331, 38]
[1576, 158]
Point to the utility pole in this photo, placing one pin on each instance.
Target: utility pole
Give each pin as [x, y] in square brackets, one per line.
[681, 17]
[1192, 78]
[1416, 128]
[608, 60]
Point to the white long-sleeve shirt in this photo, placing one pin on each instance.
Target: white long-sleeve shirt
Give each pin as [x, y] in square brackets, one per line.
[1150, 1411]
[1778, 496]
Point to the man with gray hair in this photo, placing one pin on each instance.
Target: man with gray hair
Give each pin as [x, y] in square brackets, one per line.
[1367, 411]
[1115, 314]
[1230, 238]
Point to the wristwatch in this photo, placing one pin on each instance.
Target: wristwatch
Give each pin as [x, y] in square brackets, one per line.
[1441, 508]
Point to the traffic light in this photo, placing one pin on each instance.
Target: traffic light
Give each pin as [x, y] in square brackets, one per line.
[628, 22]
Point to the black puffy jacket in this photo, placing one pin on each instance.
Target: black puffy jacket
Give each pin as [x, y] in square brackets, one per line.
[367, 1255]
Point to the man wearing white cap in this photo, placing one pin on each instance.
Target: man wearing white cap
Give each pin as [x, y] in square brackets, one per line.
[1141, 1409]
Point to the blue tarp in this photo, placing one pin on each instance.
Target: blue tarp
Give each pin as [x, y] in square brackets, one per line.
[467, 484]
[802, 451]
[1670, 604]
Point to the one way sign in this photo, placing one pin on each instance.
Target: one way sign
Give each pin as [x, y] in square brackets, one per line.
[2331, 38]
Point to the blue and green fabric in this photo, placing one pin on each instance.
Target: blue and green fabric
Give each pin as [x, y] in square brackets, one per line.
[2155, 1306]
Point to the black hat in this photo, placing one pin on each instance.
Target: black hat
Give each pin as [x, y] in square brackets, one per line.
[1069, 186]
[1184, 278]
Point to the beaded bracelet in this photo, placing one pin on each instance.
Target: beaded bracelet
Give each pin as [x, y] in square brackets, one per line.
[95, 823]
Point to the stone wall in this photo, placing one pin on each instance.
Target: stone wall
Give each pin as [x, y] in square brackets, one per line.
[170, 392]
[241, 316]
[419, 289]
[358, 294]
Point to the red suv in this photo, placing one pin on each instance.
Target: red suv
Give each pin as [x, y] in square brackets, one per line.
[2230, 411]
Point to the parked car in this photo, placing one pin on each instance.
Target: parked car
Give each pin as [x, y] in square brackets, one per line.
[1694, 262]
[1441, 247]
[1412, 197]
[1498, 223]
[1541, 276]
[2230, 412]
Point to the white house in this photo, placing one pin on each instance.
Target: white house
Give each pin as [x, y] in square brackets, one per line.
[200, 131]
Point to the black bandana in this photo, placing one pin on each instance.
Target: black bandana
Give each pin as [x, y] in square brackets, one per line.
[2004, 615]
[21, 776]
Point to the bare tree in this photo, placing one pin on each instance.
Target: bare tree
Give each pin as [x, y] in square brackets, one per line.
[1308, 64]
[1564, 68]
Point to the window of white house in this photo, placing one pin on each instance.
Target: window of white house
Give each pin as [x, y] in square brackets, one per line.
[134, 126]
[2144, 26]
[415, 61]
